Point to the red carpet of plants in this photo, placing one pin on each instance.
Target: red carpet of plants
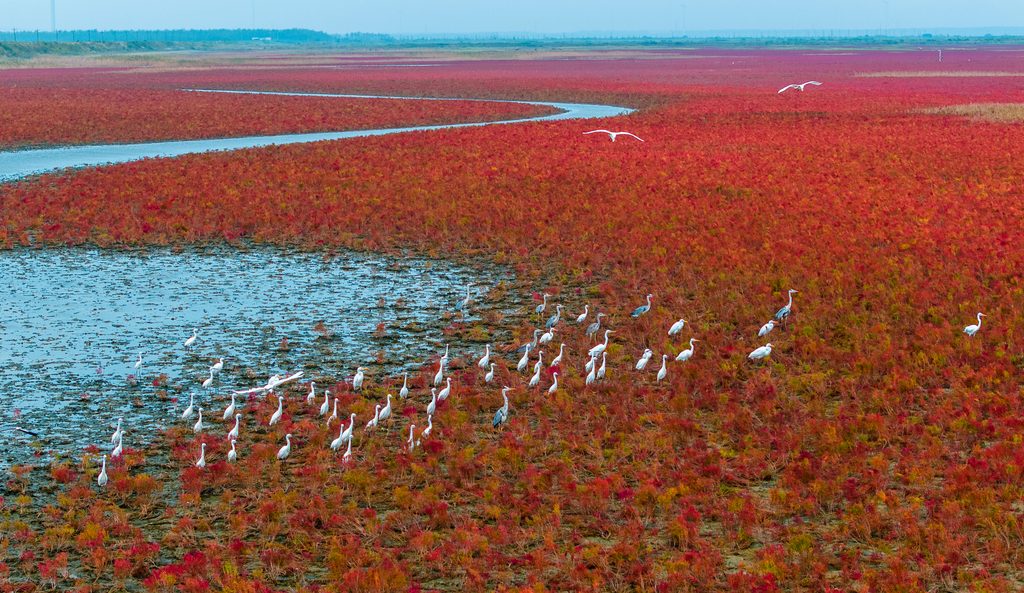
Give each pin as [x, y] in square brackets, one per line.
[879, 448]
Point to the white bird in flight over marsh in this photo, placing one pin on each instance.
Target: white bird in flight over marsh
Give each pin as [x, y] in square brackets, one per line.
[800, 87]
[615, 134]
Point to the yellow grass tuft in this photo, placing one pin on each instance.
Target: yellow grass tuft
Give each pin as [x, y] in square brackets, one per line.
[997, 112]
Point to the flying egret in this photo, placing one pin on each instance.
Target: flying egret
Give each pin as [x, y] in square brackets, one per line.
[799, 87]
[208, 382]
[970, 330]
[286, 450]
[230, 410]
[440, 374]
[502, 414]
[601, 347]
[347, 457]
[336, 443]
[486, 358]
[441, 395]
[333, 416]
[218, 366]
[686, 354]
[490, 374]
[272, 382]
[592, 375]
[312, 393]
[385, 412]
[558, 359]
[198, 426]
[119, 448]
[532, 344]
[677, 327]
[232, 454]
[642, 308]
[189, 343]
[546, 336]
[404, 393]
[784, 312]
[583, 315]
[761, 352]
[346, 434]
[433, 401]
[554, 386]
[327, 402]
[191, 407]
[117, 431]
[102, 479]
[593, 327]
[604, 366]
[540, 308]
[411, 444]
[280, 411]
[614, 134]
[234, 431]
[640, 364]
[524, 360]
[664, 369]
[357, 380]
[202, 455]
[554, 318]
[766, 328]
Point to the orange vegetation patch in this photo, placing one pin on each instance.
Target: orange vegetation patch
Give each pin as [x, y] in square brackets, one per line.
[999, 112]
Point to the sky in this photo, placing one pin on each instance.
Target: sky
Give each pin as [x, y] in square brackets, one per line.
[507, 16]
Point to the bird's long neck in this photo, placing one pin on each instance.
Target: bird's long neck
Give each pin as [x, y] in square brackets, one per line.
[979, 319]
[790, 294]
[648, 301]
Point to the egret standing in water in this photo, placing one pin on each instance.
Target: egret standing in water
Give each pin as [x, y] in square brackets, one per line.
[463, 305]
[117, 431]
[191, 407]
[218, 366]
[138, 366]
[970, 330]
[686, 354]
[784, 312]
[230, 410]
[642, 308]
[198, 426]
[189, 343]
[208, 382]
[119, 448]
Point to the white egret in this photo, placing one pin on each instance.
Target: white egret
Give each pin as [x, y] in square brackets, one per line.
[593, 327]
[640, 364]
[233, 434]
[230, 410]
[490, 374]
[189, 343]
[540, 308]
[373, 421]
[502, 414]
[784, 312]
[614, 134]
[346, 434]
[443, 394]
[554, 386]
[558, 359]
[601, 347]
[592, 375]
[426, 431]
[208, 382]
[286, 450]
[411, 444]
[191, 407]
[117, 431]
[119, 448]
[444, 357]
[604, 366]
[440, 374]
[583, 315]
[357, 380]
[540, 361]
[677, 327]
[535, 379]
[232, 454]
[347, 457]
[385, 412]
[799, 87]
[338, 442]
[404, 393]
[198, 426]
[218, 366]
[970, 330]
[486, 357]
[312, 393]
[202, 455]
[590, 363]
[554, 318]
[102, 479]
[273, 382]
[766, 328]
[138, 365]
[433, 401]
[642, 308]
[524, 360]
[327, 402]
[280, 411]
[686, 354]
[547, 336]
[334, 415]
[761, 352]
[664, 369]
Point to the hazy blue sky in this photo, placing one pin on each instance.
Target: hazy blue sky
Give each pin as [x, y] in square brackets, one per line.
[541, 16]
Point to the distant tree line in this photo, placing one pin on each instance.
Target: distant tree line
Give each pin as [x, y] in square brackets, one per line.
[191, 36]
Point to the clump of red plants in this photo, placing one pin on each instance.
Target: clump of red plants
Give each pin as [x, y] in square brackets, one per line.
[877, 448]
